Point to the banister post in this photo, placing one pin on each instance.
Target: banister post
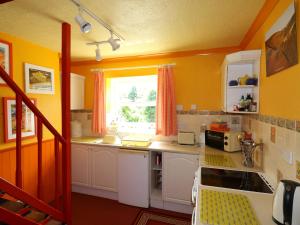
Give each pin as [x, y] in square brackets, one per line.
[66, 119]
[19, 176]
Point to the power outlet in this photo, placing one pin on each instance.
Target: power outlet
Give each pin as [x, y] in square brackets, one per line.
[298, 169]
[273, 134]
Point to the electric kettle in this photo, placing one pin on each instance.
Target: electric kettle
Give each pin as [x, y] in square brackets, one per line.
[286, 203]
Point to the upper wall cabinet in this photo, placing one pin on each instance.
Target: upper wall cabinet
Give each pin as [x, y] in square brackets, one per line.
[77, 91]
[240, 82]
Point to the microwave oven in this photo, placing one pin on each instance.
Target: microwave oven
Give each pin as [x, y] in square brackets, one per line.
[227, 141]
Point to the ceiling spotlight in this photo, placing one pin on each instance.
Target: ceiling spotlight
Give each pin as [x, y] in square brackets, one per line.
[98, 55]
[85, 26]
[114, 42]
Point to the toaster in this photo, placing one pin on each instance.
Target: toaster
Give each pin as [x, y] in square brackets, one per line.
[186, 138]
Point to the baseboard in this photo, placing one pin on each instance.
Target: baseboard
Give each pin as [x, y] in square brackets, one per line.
[95, 192]
[175, 207]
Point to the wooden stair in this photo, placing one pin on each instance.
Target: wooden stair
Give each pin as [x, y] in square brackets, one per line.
[26, 211]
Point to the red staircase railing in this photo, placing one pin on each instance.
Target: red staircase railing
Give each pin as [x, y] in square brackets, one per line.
[60, 140]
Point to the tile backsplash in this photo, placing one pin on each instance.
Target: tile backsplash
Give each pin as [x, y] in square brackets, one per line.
[281, 140]
[281, 137]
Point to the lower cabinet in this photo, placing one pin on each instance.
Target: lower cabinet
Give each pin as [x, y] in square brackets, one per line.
[104, 168]
[81, 165]
[178, 177]
[95, 167]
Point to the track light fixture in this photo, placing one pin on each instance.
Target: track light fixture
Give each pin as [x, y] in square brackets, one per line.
[82, 8]
[85, 26]
[98, 54]
[113, 42]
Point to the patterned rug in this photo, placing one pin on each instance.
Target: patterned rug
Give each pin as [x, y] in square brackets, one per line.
[152, 218]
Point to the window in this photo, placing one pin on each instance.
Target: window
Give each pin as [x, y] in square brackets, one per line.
[131, 104]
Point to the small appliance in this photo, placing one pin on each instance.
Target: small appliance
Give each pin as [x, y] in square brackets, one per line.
[286, 204]
[227, 141]
[186, 138]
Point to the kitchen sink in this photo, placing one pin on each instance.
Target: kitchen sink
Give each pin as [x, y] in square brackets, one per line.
[240, 180]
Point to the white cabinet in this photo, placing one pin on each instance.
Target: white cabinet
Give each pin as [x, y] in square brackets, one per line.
[241, 68]
[104, 168]
[77, 91]
[95, 167]
[80, 165]
[178, 176]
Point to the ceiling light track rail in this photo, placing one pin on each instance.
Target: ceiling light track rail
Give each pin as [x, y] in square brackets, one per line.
[82, 8]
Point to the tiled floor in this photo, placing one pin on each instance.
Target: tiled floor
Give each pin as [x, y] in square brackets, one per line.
[90, 210]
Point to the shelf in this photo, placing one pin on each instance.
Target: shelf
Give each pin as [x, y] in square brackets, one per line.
[156, 194]
[157, 168]
[242, 112]
[243, 86]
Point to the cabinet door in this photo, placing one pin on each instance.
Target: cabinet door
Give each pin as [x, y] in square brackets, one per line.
[104, 168]
[178, 176]
[80, 165]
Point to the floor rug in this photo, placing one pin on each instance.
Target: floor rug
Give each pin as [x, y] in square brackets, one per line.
[152, 218]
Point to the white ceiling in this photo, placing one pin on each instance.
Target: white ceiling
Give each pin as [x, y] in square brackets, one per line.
[148, 26]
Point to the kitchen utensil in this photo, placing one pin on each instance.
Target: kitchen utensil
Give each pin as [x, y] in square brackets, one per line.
[248, 148]
[286, 204]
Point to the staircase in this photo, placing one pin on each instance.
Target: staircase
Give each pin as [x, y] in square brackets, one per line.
[16, 206]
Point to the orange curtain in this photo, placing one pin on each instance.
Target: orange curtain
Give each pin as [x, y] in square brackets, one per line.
[99, 110]
[166, 118]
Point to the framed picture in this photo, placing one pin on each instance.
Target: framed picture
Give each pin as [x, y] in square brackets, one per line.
[28, 120]
[5, 58]
[38, 79]
[281, 42]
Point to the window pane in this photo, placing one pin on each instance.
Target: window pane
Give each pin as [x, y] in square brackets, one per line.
[132, 102]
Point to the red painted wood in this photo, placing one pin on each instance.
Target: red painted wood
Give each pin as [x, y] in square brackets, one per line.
[30, 104]
[57, 173]
[40, 157]
[4, 1]
[66, 118]
[32, 201]
[13, 219]
[19, 141]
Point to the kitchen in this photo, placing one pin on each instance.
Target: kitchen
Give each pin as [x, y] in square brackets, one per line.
[201, 128]
[228, 186]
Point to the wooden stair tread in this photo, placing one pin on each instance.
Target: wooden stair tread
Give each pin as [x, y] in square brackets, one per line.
[54, 222]
[11, 206]
[35, 215]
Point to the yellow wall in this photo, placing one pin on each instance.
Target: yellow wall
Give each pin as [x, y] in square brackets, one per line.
[280, 93]
[49, 105]
[197, 78]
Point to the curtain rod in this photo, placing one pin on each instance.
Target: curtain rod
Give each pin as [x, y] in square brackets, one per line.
[131, 68]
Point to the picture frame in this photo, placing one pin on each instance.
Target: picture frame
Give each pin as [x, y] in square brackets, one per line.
[9, 116]
[6, 59]
[39, 79]
[281, 42]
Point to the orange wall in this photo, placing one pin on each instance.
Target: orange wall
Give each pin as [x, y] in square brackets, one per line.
[197, 78]
[279, 93]
[24, 51]
[29, 168]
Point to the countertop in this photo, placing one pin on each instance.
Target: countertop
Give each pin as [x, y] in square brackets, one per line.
[154, 146]
[260, 202]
